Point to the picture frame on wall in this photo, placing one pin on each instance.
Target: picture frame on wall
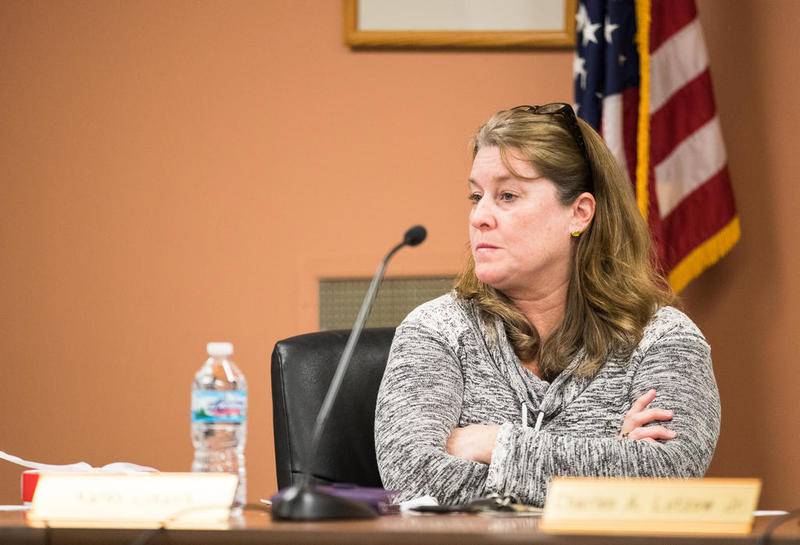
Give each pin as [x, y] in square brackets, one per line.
[470, 24]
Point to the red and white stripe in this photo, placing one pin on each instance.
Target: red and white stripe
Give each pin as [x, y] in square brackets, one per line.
[690, 179]
[690, 199]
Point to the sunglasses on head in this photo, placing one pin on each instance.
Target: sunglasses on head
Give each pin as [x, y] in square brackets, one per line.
[566, 115]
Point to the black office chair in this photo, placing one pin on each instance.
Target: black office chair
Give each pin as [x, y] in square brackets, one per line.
[302, 369]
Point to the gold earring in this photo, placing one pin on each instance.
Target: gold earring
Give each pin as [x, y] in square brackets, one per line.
[575, 234]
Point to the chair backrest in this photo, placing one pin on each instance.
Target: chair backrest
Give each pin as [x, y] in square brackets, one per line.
[302, 369]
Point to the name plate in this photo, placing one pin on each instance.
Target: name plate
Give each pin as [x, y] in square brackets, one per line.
[650, 506]
[133, 500]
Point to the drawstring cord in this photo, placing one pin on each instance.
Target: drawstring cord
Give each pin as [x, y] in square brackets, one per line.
[539, 419]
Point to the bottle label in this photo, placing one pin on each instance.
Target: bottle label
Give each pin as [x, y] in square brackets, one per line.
[220, 407]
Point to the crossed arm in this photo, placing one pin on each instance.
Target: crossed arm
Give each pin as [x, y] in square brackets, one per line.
[422, 451]
[641, 423]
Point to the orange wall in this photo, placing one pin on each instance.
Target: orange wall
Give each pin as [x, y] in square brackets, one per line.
[749, 304]
[174, 173]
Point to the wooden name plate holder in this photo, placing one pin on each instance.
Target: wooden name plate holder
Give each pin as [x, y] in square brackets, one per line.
[133, 500]
[650, 506]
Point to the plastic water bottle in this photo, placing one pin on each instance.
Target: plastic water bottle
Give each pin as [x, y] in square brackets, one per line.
[219, 417]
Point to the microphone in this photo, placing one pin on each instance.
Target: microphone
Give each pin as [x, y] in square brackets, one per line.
[415, 236]
[302, 501]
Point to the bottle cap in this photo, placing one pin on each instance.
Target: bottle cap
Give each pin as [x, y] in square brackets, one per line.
[219, 349]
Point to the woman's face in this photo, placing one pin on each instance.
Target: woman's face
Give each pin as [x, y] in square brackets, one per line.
[519, 231]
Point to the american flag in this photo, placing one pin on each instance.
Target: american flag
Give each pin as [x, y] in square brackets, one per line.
[642, 80]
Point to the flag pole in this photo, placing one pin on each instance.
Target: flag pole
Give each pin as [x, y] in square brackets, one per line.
[643, 132]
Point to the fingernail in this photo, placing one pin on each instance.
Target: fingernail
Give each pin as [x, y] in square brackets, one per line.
[672, 433]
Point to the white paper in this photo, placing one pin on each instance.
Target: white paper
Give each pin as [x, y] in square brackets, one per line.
[406, 506]
[116, 467]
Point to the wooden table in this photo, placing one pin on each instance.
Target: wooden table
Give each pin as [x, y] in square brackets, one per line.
[257, 528]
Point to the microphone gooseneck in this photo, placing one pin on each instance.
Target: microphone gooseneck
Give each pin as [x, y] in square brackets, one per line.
[302, 502]
[412, 237]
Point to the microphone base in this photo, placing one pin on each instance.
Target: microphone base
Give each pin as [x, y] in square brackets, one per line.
[305, 503]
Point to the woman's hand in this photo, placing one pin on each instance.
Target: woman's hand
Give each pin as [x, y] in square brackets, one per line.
[474, 442]
[633, 425]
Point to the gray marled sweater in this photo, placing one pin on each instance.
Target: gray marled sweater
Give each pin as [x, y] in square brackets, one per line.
[448, 368]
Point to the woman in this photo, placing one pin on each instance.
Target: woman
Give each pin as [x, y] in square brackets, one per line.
[557, 353]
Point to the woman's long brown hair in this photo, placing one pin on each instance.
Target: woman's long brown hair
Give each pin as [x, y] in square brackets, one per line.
[614, 287]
